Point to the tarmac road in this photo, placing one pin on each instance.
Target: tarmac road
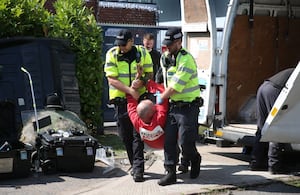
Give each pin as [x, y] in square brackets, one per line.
[223, 171]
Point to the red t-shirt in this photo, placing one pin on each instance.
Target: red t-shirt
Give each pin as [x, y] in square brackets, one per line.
[152, 134]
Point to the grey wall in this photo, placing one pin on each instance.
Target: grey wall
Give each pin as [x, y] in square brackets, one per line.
[171, 10]
[221, 7]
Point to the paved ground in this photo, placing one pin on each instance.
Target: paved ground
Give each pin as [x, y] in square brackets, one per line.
[221, 168]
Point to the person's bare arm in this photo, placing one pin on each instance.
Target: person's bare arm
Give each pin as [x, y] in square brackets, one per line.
[120, 86]
[139, 72]
[139, 81]
[167, 93]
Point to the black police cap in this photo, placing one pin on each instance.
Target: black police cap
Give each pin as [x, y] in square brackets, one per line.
[123, 37]
[171, 35]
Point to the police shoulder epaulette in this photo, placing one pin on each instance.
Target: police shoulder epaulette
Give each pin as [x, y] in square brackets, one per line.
[183, 52]
[114, 50]
[142, 49]
[141, 46]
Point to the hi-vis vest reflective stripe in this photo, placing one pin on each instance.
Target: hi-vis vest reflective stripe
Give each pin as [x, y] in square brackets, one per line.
[183, 78]
[120, 69]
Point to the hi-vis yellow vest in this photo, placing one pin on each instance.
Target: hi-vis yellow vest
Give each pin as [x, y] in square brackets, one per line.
[182, 76]
[124, 71]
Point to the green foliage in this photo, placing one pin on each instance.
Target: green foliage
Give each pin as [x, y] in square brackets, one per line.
[74, 22]
[22, 18]
[113, 141]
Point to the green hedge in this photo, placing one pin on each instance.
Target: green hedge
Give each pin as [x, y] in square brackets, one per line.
[72, 21]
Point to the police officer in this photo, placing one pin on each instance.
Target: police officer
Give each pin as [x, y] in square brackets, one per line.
[148, 42]
[268, 155]
[120, 68]
[181, 83]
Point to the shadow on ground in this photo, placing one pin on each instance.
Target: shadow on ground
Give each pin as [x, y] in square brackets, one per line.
[100, 171]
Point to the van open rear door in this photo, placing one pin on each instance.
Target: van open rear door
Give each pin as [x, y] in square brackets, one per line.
[283, 122]
[199, 29]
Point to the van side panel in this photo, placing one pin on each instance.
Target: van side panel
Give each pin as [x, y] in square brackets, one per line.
[256, 53]
[289, 41]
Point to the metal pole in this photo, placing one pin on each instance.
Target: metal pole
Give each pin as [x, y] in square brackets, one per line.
[33, 98]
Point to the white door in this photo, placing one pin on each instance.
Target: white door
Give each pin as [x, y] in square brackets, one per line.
[283, 122]
[200, 38]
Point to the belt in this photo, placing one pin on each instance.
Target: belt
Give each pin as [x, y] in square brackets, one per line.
[118, 101]
[196, 102]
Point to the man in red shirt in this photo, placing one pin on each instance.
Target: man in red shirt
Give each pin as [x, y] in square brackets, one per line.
[148, 118]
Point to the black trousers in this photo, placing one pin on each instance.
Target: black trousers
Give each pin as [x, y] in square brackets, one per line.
[130, 137]
[265, 153]
[181, 125]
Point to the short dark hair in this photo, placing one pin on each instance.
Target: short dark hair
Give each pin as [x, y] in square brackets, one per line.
[149, 36]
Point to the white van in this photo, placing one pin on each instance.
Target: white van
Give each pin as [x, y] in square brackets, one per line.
[258, 38]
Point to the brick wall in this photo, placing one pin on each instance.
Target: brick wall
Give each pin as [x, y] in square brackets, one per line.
[110, 15]
[126, 16]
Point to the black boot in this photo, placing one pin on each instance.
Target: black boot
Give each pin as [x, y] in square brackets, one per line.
[138, 177]
[184, 165]
[183, 168]
[195, 167]
[170, 178]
